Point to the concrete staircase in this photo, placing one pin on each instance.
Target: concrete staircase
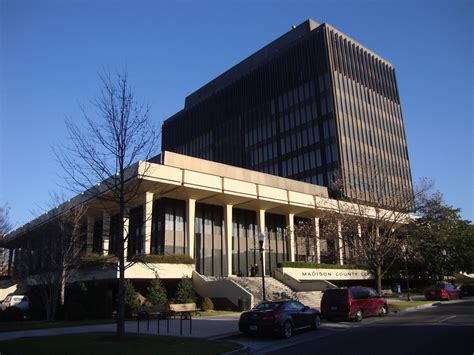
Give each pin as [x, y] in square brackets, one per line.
[310, 298]
[274, 289]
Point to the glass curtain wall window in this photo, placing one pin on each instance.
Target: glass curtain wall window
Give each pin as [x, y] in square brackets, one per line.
[276, 242]
[168, 228]
[209, 240]
[244, 242]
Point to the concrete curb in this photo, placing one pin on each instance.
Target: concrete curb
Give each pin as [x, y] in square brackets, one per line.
[416, 308]
[221, 336]
[243, 349]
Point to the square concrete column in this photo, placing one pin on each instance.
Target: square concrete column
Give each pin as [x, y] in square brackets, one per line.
[190, 214]
[105, 232]
[340, 244]
[147, 219]
[90, 233]
[228, 237]
[261, 229]
[318, 240]
[290, 222]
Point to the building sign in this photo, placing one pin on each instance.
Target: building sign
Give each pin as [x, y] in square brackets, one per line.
[327, 274]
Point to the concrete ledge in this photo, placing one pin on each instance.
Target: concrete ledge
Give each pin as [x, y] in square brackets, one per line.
[415, 308]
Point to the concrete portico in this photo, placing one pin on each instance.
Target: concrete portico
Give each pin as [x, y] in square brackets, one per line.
[211, 212]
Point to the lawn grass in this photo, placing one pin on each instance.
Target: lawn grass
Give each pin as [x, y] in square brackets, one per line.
[403, 295]
[216, 313]
[402, 305]
[29, 325]
[109, 344]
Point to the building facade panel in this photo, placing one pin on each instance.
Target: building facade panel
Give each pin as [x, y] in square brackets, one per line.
[321, 109]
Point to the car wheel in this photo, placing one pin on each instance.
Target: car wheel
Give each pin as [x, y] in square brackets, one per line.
[383, 311]
[316, 323]
[287, 330]
[358, 315]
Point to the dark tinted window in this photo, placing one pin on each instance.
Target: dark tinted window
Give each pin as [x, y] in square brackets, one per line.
[267, 306]
[296, 306]
[359, 293]
[335, 295]
[373, 294]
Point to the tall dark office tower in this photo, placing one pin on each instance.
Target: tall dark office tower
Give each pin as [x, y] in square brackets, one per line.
[311, 105]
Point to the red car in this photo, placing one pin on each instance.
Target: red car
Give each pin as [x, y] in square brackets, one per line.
[352, 303]
[442, 291]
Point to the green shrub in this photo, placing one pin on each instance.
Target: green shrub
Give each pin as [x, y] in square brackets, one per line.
[94, 259]
[207, 304]
[185, 292]
[76, 292]
[131, 299]
[306, 265]
[74, 311]
[164, 259]
[156, 292]
[98, 301]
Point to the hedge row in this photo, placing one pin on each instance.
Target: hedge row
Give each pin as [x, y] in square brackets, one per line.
[94, 259]
[306, 265]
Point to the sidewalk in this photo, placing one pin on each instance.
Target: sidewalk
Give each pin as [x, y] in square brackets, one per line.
[202, 327]
[404, 298]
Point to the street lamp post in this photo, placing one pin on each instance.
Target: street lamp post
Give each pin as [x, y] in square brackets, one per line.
[405, 252]
[261, 240]
[443, 263]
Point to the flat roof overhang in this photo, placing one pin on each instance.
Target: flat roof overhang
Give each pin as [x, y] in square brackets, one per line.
[183, 177]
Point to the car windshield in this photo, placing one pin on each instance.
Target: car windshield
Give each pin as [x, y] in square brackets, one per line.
[337, 295]
[267, 306]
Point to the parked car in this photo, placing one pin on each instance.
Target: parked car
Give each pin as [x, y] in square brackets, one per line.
[18, 301]
[467, 289]
[279, 317]
[442, 291]
[352, 303]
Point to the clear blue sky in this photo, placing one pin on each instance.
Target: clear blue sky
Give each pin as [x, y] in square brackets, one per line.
[51, 51]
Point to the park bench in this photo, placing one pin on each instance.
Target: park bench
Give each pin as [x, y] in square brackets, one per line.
[145, 312]
[183, 309]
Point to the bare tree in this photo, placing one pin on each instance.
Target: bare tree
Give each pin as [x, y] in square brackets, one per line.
[5, 227]
[52, 253]
[305, 236]
[371, 234]
[101, 155]
[67, 247]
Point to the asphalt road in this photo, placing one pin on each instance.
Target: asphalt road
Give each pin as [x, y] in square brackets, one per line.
[446, 329]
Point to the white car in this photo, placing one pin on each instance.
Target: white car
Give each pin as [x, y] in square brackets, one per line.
[18, 301]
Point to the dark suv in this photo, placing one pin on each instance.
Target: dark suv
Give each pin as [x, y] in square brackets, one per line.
[352, 303]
